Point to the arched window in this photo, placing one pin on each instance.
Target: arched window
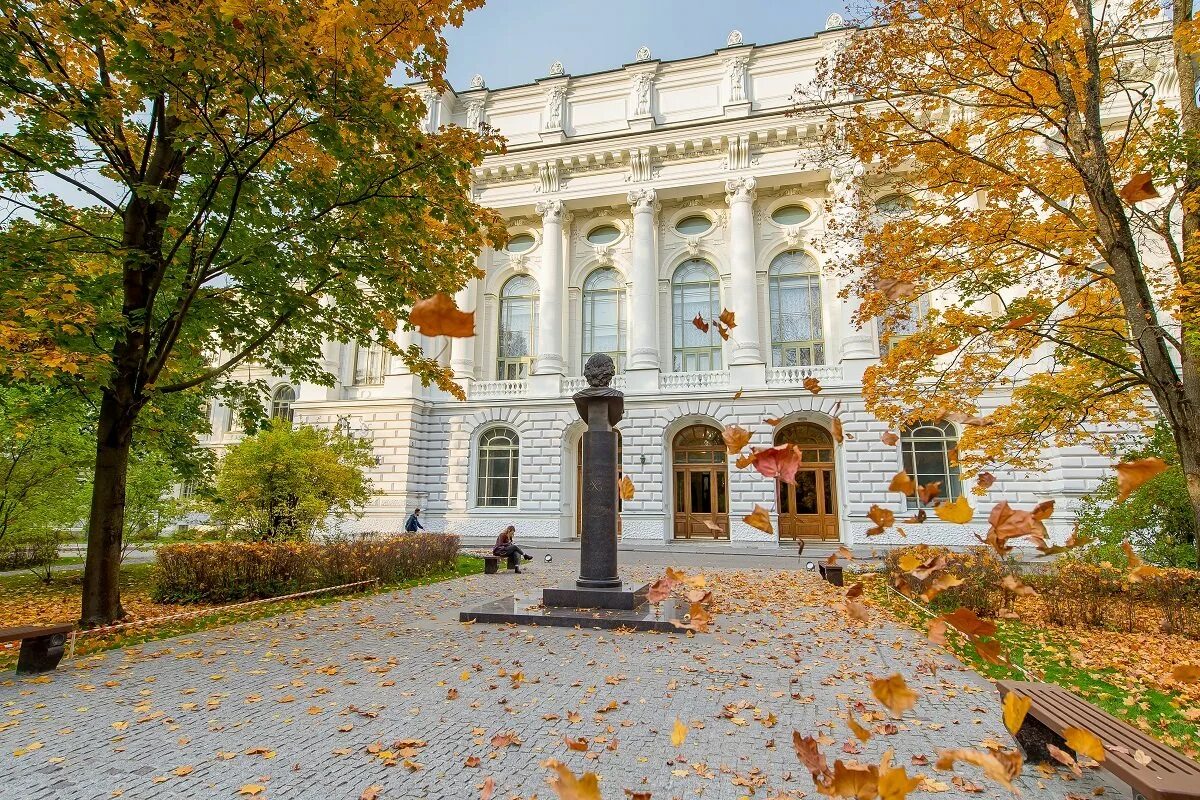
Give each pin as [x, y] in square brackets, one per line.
[891, 330]
[499, 461]
[370, 364]
[695, 289]
[604, 316]
[797, 338]
[281, 403]
[517, 345]
[926, 451]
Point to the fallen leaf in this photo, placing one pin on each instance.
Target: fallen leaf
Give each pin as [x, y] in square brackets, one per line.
[678, 734]
[252, 789]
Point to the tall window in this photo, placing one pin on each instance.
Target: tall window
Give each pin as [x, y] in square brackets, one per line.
[281, 403]
[604, 316]
[517, 345]
[370, 365]
[892, 330]
[695, 289]
[499, 460]
[926, 450]
[797, 338]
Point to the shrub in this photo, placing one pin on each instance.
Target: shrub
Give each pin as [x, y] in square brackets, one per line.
[219, 572]
[980, 569]
[1077, 594]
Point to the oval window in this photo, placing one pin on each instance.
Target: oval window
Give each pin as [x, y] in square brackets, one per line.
[894, 205]
[603, 234]
[791, 215]
[520, 243]
[694, 225]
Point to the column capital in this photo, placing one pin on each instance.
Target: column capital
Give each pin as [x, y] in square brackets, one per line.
[550, 210]
[644, 200]
[739, 190]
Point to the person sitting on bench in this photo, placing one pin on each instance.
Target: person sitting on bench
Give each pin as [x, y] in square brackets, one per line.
[506, 548]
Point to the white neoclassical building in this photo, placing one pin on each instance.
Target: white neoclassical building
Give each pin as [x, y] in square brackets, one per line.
[637, 198]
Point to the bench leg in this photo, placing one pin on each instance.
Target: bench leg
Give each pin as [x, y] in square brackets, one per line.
[41, 654]
[1033, 738]
[490, 565]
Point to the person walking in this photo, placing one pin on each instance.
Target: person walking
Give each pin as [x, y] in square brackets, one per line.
[507, 548]
[413, 524]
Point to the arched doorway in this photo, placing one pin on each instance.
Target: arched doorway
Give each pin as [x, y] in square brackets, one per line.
[701, 481]
[579, 485]
[808, 509]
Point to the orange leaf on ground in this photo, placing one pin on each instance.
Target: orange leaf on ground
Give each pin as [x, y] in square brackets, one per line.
[439, 316]
[1186, 673]
[1132, 474]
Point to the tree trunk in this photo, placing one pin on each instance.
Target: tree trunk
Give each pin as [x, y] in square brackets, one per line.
[106, 523]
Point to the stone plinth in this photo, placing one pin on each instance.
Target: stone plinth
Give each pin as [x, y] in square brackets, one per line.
[574, 596]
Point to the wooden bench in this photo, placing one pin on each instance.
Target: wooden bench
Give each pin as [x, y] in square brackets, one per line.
[491, 563]
[1169, 775]
[41, 645]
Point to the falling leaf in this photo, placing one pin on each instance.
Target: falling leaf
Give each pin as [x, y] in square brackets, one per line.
[939, 585]
[894, 783]
[1015, 709]
[371, 792]
[759, 518]
[965, 620]
[1132, 474]
[736, 438]
[985, 480]
[860, 733]
[439, 316]
[700, 323]
[1020, 322]
[959, 511]
[889, 438]
[895, 289]
[894, 694]
[568, 787]
[809, 752]
[929, 491]
[882, 517]
[812, 384]
[625, 485]
[903, 484]
[1014, 585]
[838, 434]
[678, 734]
[1084, 743]
[723, 331]
[1000, 770]
[860, 781]
[252, 789]
[727, 318]
[1140, 187]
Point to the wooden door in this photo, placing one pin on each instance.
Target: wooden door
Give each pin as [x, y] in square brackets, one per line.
[808, 508]
[700, 484]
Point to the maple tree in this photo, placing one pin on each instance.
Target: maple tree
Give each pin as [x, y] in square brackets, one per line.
[1043, 203]
[200, 185]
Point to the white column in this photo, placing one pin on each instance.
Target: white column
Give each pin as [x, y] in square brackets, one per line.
[857, 343]
[550, 287]
[403, 339]
[739, 193]
[643, 300]
[462, 350]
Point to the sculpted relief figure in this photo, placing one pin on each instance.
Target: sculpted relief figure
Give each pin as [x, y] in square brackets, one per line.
[553, 113]
[736, 71]
[641, 94]
[475, 115]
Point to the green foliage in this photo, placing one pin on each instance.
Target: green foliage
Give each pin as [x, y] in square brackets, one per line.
[286, 482]
[218, 572]
[1157, 518]
[979, 568]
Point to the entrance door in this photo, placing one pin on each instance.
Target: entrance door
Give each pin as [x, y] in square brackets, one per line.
[808, 509]
[579, 486]
[701, 483]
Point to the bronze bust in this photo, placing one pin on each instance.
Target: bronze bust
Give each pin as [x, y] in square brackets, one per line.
[599, 370]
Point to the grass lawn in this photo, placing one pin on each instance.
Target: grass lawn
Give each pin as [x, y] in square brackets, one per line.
[26, 600]
[1116, 671]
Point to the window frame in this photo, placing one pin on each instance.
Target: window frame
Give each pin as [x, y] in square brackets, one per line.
[684, 357]
[510, 368]
[278, 404]
[589, 296]
[945, 441]
[376, 364]
[918, 310]
[778, 281]
[509, 453]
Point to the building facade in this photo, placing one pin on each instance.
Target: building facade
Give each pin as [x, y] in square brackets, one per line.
[637, 199]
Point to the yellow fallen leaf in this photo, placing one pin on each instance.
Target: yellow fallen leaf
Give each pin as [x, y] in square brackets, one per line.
[1084, 743]
[1015, 709]
[678, 734]
[959, 512]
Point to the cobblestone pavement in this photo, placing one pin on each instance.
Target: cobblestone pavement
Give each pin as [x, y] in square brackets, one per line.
[294, 704]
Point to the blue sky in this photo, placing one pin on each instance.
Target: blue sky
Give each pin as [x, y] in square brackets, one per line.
[511, 42]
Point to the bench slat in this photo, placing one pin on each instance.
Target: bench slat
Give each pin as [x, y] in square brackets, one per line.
[34, 631]
[1169, 774]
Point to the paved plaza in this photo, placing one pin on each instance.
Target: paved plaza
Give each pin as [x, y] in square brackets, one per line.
[390, 691]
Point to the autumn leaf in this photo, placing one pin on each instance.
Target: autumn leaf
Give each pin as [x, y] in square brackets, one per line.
[678, 734]
[965, 621]
[1084, 743]
[889, 438]
[929, 491]
[812, 384]
[439, 316]
[859, 781]
[894, 783]
[736, 438]
[568, 787]
[1001, 771]
[894, 694]
[959, 512]
[809, 752]
[252, 789]
[727, 318]
[700, 323]
[895, 289]
[940, 584]
[1186, 673]
[488, 789]
[759, 518]
[902, 483]
[1132, 474]
[625, 485]
[860, 733]
[836, 426]
[1015, 708]
[1140, 187]
[882, 517]
[985, 480]
[580, 744]
[371, 792]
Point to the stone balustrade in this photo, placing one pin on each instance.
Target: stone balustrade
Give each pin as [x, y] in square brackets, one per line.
[795, 376]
